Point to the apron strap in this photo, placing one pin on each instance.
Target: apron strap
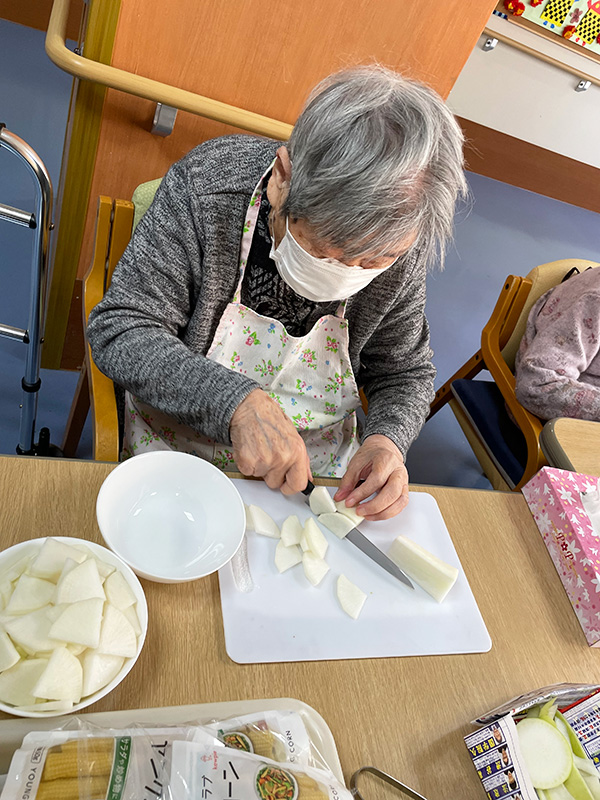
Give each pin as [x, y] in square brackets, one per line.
[249, 227]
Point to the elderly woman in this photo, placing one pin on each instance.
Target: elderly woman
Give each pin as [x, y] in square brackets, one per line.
[268, 282]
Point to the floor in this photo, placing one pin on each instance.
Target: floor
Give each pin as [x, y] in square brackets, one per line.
[504, 230]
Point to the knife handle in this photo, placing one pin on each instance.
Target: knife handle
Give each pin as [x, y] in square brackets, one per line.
[309, 488]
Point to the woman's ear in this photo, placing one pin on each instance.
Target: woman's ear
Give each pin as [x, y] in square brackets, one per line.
[279, 182]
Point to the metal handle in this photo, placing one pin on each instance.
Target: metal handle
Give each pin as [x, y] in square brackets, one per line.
[41, 222]
[402, 788]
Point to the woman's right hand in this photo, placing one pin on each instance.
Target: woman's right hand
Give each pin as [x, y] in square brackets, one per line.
[267, 445]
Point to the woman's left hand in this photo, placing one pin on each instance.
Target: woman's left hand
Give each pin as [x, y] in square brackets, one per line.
[379, 464]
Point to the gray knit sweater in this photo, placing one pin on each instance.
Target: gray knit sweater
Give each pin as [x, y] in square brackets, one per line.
[157, 321]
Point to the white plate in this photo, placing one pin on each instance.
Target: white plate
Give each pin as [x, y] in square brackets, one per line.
[284, 618]
[17, 551]
[171, 516]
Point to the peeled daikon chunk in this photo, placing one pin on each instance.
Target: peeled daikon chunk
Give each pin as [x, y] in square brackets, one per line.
[320, 501]
[79, 623]
[316, 541]
[50, 705]
[130, 614]
[315, 568]
[349, 512]
[351, 598]
[337, 523]
[291, 531]
[16, 683]
[262, 523]
[286, 557]
[118, 591]
[32, 632]
[8, 652]
[104, 569]
[30, 593]
[81, 583]
[117, 637]
[249, 519]
[429, 571]
[51, 558]
[62, 679]
[98, 670]
[17, 569]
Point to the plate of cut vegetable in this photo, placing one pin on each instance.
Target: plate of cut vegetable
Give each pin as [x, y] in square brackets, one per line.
[73, 619]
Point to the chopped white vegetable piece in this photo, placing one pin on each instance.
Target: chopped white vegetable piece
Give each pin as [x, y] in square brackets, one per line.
[98, 670]
[249, 519]
[6, 590]
[80, 623]
[304, 544]
[131, 614]
[118, 592]
[315, 539]
[104, 569]
[315, 568]
[9, 654]
[76, 649]
[54, 612]
[320, 501]
[32, 632]
[286, 557]
[117, 637]
[17, 569]
[68, 566]
[50, 705]
[430, 572]
[51, 558]
[349, 512]
[263, 523]
[337, 523]
[291, 531]
[351, 598]
[62, 679]
[81, 583]
[29, 594]
[16, 683]
[548, 757]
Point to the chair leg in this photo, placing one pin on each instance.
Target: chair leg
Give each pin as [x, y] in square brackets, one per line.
[77, 415]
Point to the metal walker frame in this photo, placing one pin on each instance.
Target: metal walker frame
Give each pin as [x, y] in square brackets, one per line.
[33, 336]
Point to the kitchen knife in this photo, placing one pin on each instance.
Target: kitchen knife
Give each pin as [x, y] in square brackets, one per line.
[376, 555]
[368, 548]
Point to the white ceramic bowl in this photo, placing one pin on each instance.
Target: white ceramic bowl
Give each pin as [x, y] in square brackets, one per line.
[13, 554]
[171, 516]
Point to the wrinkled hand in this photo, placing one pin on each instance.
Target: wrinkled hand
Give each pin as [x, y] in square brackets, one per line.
[267, 445]
[378, 463]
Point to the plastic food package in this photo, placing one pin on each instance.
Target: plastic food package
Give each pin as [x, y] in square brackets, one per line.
[204, 772]
[84, 762]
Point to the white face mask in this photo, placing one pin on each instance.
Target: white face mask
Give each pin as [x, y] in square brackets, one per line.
[318, 279]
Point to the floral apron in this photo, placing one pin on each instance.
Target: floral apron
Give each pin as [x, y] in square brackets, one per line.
[310, 377]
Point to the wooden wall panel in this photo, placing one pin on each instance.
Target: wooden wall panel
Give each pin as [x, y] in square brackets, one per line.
[264, 55]
[36, 13]
[510, 160]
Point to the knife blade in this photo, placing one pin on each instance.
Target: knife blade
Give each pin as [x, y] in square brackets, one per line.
[369, 549]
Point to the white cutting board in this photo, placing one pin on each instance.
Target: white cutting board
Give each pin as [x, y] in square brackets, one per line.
[284, 618]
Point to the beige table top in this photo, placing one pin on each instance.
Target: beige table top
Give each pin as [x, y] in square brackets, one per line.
[405, 715]
[573, 444]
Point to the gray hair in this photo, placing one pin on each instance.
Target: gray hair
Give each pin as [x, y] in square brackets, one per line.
[376, 158]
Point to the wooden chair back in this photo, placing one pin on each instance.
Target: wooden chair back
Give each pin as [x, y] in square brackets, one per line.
[94, 390]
